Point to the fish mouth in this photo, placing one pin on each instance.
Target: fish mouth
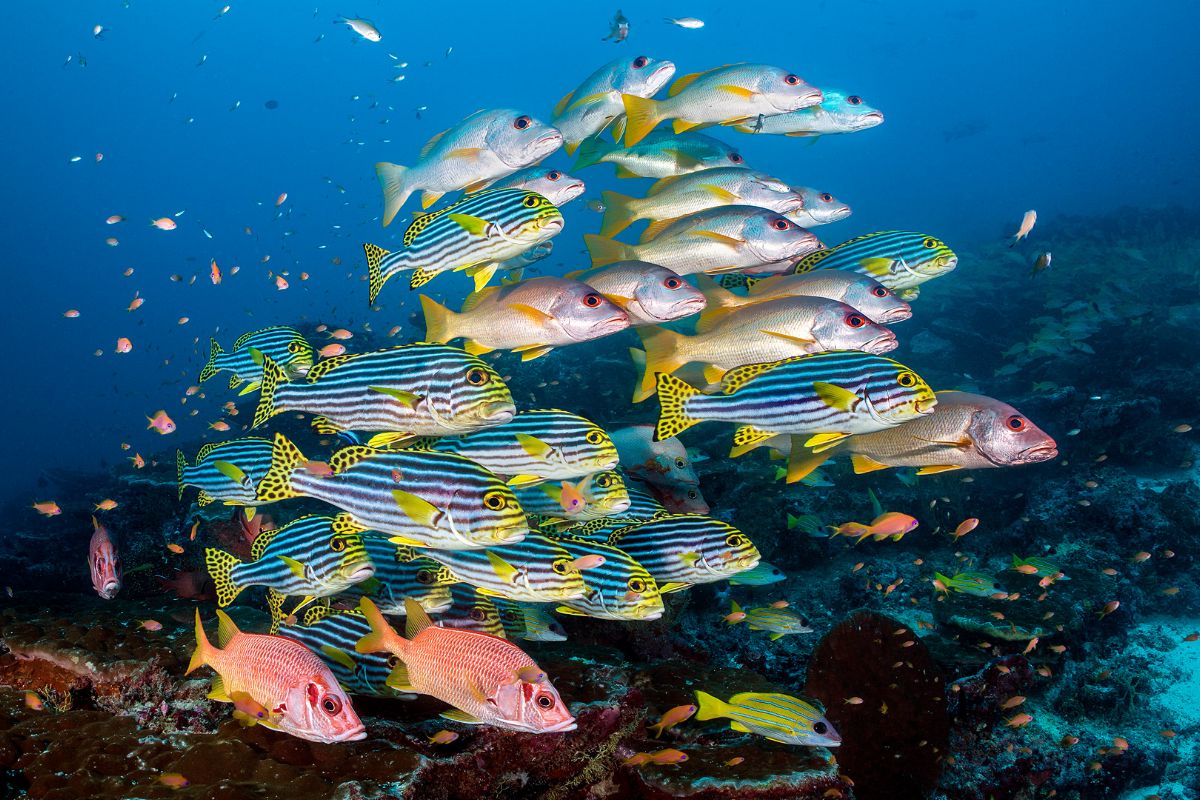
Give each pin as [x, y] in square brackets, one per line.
[552, 224]
[678, 310]
[360, 573]
[869, 120]
[838, 213]
[499, 413]
[357, 733]
[1043, 451]
[898, 314]
[943, 264]
[617, 322]
[567, 724]
[812, 96]
[109, 590]
[924, 405]
[883, 343]
[668, 67]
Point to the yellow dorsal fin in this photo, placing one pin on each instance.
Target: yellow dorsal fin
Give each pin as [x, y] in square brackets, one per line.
[655, 228]
[687, 80]
[433, 140]
[561, 105]
[475, 298]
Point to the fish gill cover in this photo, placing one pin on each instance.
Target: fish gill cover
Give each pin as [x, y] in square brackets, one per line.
[836, 441]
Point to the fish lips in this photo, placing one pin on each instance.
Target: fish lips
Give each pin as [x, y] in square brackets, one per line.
[898, 314]
[567, 724]
[883, 343]
[109, 590]
[1043, 451]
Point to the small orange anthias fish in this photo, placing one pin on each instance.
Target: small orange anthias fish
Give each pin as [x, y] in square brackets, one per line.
[124, 345]
[443, 737]
[290, 682]
[164, 223]
[104, 562]
[672, 718]
[247, 710]
[332, 349]
[33, 702]
[891, 524]
[161, 423]
[150, 625]
[965, 527]
[1108, 608]
[487, 679]
[667, 756]
[173, 780]
[214, 273]
[47, 508]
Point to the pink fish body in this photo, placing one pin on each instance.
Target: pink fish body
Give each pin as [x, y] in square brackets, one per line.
[104, 562]
[288, 679]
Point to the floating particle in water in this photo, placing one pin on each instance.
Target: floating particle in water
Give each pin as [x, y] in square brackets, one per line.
[271, 104]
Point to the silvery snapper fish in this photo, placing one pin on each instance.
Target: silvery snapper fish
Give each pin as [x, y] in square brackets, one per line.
[553, 184]
[531, 317]
[837, 112]
[863, 293]
[664, 463]
[490, 681]
[596, 103]
[648, 293]
[485, 146]
[302, 696]
[662, 154]
[716, 240]
[820, 208]
[104, 562]
[722, 96]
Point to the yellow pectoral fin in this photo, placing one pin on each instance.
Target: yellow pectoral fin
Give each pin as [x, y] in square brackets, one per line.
[464, 152]
[935, 469]
[570, 612]
[294, 566]
[390, 439]
[417, 509]
[824, 441]
[737, 91]
[797, 340]
[504, 570]
[535, 351]
[533, 446]
[534, 315]
[835, 396]
[877, 266]
[667, 588]
[476, 226]
[585, 100]
[339, 656]
[407, 399]
[524, 480]
[732, 241]
[724, 195]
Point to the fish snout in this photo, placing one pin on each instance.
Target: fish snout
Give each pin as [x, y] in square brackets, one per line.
[1042, 451]
[360, 572]
[883, 343]
[898, 314]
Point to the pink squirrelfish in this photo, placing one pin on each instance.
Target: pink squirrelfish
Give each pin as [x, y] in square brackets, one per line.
[104, 562]
[289, 680]
[488, 680]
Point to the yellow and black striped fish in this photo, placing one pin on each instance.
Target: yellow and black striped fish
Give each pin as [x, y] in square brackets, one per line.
[528, 621]
[473, 234]
[778, 717]
[410, 390]
[593, 497]
[535, 570]
[413, 497]
[685, 549]
[332, 634]
[617, 588]
[397, 580]
[900, 260]
[286, 346]
[473, 611]
[225, 471]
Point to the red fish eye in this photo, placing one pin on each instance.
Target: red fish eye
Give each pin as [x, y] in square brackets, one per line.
[854, 100]
[855, 321]
[331, 704]
[781, 224]
[672, 283]
[826, 197]
[522, 122]
[792, 80]
[640, 62]
[880, 291]
[736, 158]
[545, 701]
[1015, 423]
[592, 300]
[553, 175]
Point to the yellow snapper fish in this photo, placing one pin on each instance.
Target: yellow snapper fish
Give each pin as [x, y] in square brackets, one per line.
[662, 154]
[531, 317]
[838, 112]
[722, 96]
[677, 196]
[778, 717]
[820, 208]
[769, 331]
[861, 292]
[717, 240]
[596, 103]
[487, 145]
[553, 184]
[648, 293]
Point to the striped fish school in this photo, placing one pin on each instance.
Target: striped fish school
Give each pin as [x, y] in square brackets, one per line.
[250, 457]
[282, 344]
[473, 234]
[602, 494]
[774, 716]
[684, 549]
[310, 557]
[396, 580]
[831, 395]
[414, 497]
[900, 260]
[410, 390]
[471, 610]
[778, 621]
[619, 588]
[529, 621]
[332, 634]
[535, 570]
[538, 445]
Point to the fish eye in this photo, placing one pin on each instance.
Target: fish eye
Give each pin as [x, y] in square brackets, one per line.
[337, 544]
[425, 577]
[478, 614]
[331, 704]
[561, 566]
[672, 282]
[522, 122]
[854, 100]
[680, 463]
[735, 540]
[476, 376]
[791, 80]
[820, 727]
[604, 481]
[594, 437]
[906, 379]
[495, 501]
[781, 224]
[1015, 423]
[880, 291]
[508, 615]
[736, 158]
[553, 175]
[826, 197]
[545, 701]
[592, 300]
[855, 320]
[392, 661]
[293, 347]
[530, 202]
[640, 62]
[692, 494]
[636, 585]
[930, 242]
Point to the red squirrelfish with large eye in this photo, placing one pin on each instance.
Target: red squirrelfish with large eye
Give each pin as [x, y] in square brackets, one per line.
[104, 562]
[301, 696]
[488, 680]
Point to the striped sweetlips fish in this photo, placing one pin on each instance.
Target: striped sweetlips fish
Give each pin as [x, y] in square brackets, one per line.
[596, 103]
[829, 395]
[536, 446]
[900, 260]
[600, 495]
[778, 717]
[413, 497]
[528, 621]
[331, 634]
[286, 346]
[228, 472]
[300, 694]
[534, 570]
[488, 680]
[309, 557]
[472, 610]
[397, 579]
[408, 391]
[472, 235]
[617, 587]
[684, 549]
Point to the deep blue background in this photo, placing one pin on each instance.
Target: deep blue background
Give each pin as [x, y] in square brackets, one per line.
[991, 110]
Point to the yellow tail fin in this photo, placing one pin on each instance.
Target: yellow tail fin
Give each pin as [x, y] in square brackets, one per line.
[273, 375]
[673, 395]
[709, 707]
[437, 321]
[641, 115]
[607, 251]
[220, 568]
[277, 482]
[619, 213]
[662, 355]
[375, 276]
[395, 193]
[204, 650]
[210, 366]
